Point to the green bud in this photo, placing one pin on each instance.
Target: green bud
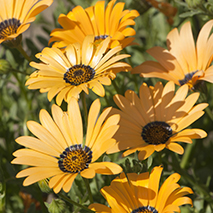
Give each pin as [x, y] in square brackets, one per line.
[5, 66]
[56, 206]
[43, 185]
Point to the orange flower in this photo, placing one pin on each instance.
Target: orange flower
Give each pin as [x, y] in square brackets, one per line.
[183, 62]
[59, 151]
[141, 194]
[67, 74]
[156, 120]
[96, 20]
[16, 16]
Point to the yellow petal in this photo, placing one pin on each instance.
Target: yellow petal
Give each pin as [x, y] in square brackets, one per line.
[175, 148]
[106, 168]
[88, 173]
[75, 119]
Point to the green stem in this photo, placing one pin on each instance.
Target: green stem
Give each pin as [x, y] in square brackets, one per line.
[209, 113]
[21, 87]
[116, 87]
[133, 75]
[187, 155]
[17, 71]
[88, 189]
[73, 202]
[22, 51]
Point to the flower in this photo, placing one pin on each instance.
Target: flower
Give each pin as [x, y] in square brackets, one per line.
[79, 68]
[96, 20]
[17, 15]
[183, 62]
[140, 193]
[59, 152]
[157, 119]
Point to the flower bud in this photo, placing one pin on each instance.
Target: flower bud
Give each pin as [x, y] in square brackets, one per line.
[5, 66]
[43, 185]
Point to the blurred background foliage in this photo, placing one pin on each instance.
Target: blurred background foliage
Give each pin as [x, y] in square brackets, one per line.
[18, 105]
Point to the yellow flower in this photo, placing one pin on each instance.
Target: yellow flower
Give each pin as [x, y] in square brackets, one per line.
[140, 193]
[183, 62]
[59, 152]
[96, 20]
[16, 16]
[79, 68]
[157, 119]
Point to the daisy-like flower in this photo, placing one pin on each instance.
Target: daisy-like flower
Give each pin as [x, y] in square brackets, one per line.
[59, 151]
[183, 62]
[79, 68]
[141, 194]
[96, 20]
[16, 16]
[157, 119]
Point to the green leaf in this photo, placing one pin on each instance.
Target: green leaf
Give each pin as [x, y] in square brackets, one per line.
[189, 14]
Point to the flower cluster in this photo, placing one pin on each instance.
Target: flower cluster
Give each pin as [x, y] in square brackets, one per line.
[86, 54]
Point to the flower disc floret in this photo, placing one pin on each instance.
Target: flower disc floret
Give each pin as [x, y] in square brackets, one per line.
[75, 159]
[156, 132]
[9, 27]
[145, 209]
[188, 79]
[79, 74]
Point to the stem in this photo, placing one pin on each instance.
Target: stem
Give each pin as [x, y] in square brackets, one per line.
[22, 51]
[17, 71]
[73, 202]
[187, 155]
[21, 87]
[133, 75]
[88, 189]
[116, 87]
[208, 111]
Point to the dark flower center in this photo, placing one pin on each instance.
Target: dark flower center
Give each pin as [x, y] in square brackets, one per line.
[79, 74]
[9, 27]
[187, 79]
[99, 39]
[156, 132]
[145, 209]
[75, 159]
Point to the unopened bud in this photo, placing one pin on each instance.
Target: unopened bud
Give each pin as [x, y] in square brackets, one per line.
[43, 185]
[5, 66]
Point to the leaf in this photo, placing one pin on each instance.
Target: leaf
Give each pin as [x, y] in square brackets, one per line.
[189, 14]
